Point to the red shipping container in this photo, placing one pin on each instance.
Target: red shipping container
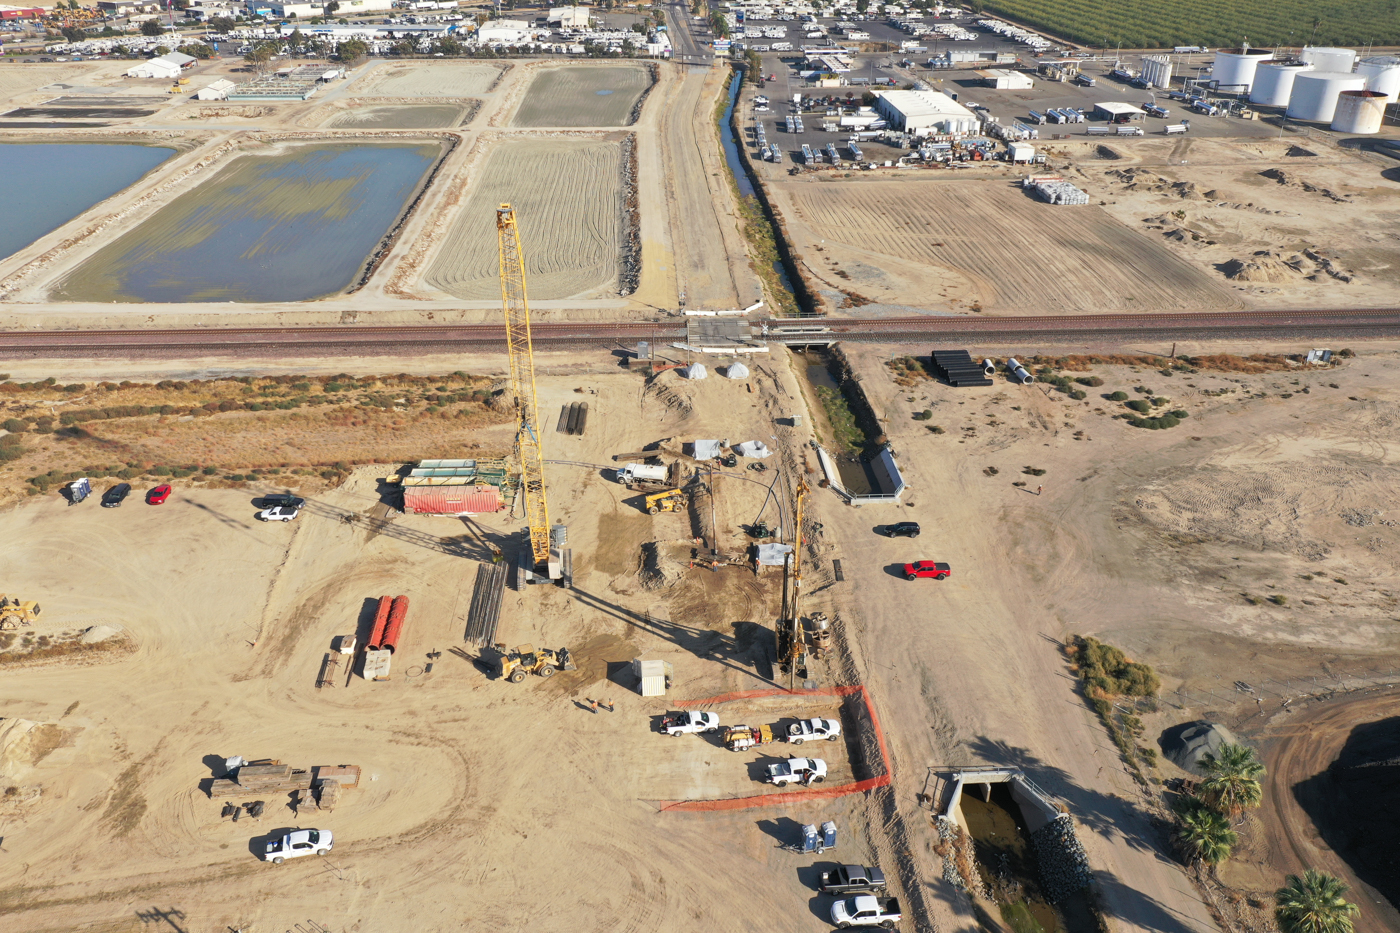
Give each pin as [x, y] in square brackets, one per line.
[381, 618]
[451, 500]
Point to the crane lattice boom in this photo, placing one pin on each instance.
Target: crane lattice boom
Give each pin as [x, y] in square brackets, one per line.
[522, 382]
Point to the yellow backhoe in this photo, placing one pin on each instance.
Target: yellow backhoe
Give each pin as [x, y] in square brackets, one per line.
[14, 612]
[669, 500]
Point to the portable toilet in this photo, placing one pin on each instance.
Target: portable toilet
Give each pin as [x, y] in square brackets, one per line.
[79, 490]
[829, 834]
[811, 841]
[653, 677]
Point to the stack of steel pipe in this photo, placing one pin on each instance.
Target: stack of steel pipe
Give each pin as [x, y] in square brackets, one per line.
[381, 619]
[1018, 372]
[397, 613]
[957, 368]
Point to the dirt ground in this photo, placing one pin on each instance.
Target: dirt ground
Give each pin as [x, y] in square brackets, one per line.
[687, 248]
[583, 95]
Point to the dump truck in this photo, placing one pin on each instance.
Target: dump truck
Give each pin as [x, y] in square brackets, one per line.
[15, 612]
[852, 879]
[526, 659]
[810, 730]
[739, 738]
[691, 723]
[670, 500]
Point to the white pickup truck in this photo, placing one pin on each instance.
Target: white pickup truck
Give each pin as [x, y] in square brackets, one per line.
[797, 770]
[297, 843]
[866, 910]
[810, 730]
[689, 723]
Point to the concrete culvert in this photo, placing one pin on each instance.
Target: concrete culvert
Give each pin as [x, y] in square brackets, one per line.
[989, 368]
[1184, 745]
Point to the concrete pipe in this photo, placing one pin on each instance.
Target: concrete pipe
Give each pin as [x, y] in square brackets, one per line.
[1012, 364]
[989, 368]
[1023, 377]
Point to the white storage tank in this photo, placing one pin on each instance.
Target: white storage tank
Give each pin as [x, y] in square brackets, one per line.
[1382, 73]
[1235, 67]
[1329, 59]
[1273, 82]
[1359, 112]
[1315, 94]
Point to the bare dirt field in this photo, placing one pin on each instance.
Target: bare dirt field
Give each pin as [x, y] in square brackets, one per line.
[401, 116]
[986, 244]
[434, 79]
[19, 80]
[583, 95]
[568, 197]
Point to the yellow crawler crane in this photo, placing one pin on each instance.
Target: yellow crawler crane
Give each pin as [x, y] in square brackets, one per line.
[522, 383]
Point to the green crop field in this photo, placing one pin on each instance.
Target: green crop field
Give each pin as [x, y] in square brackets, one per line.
[1155, 24]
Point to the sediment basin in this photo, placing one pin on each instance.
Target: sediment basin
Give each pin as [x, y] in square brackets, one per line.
[295, 224]
[48, 184]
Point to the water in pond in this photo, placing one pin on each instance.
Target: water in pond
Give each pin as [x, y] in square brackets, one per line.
[293, 225]
[731, 145]
[48, 184]
[1007, 866]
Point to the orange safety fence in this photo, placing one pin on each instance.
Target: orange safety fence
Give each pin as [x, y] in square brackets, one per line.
[768, 800]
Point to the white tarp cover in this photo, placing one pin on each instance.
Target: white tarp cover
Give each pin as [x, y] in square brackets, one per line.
[737, 371]
[707, 450]
[696, 371]
[753, 449]
[773, 555]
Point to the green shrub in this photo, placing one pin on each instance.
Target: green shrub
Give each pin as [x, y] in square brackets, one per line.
[1092, 382]
[1179, 413]
[1033, 471]
[210, 471]
[1139, 405]
[161, 471]
[15, 425]
[1253, 600]
[1078, 395]
[1119, 396]
[128, 473]
[924, 415]
[1107, 668]
[1278, 599]
[11, 448]
[1158, 402]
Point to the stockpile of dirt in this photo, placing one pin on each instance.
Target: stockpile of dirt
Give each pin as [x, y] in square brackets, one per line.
[24, 743]
[1269, 266]
[1293, 181]
[1184, 745]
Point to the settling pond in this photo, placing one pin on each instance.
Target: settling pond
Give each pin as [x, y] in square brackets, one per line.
[296, 224]
[48, 184]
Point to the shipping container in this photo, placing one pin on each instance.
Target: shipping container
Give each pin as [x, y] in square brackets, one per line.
[451, 500]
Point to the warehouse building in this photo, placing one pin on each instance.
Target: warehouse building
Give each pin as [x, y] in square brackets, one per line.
[569, 17]
[166, 66]
[926, 113]
[1116, 112]
[1004, 80]
[216, 91]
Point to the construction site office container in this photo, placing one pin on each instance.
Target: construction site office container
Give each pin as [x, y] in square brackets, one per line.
[451, 500]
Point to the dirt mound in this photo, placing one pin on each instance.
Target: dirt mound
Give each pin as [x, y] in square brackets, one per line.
[673, 392]
[24, 743]
[1293, 181]
[1268, 266]
[1140, 179]
[1185, 744]
[1104, 152]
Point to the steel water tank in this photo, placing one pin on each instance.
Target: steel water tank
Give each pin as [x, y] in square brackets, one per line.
[1273, 82]
[1315, 94]
[1382, 73]
[1235, 67]
[1359, 112]
[1329, 59]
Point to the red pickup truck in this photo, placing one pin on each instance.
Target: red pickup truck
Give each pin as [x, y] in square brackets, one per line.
[927, 568]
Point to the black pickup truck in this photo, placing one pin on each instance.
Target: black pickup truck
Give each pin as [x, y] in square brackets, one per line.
[852, 879]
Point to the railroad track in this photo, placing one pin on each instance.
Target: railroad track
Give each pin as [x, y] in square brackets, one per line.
[360, 340]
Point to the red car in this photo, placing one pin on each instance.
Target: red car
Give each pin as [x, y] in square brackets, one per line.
[158, 495]
[926, 568]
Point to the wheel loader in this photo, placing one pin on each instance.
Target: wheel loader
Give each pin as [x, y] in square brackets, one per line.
[14, 612]
[526, 659]
[670, 500]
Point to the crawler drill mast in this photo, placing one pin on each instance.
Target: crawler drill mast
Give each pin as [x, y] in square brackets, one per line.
[522, 383]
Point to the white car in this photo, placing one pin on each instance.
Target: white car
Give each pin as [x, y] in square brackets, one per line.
[809, 730]
[297, 843]
[689, 723]
[279, 513]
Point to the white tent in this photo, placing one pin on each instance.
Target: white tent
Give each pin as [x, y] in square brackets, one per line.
[773, 555]
[753, 449]
[737, 371]
[696, 371]
[707, 450]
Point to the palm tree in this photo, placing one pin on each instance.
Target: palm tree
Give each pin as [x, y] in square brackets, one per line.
[1203, 834]
[1232, 779]
[1313, 904]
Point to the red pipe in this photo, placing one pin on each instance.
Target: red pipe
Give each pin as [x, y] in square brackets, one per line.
[376, 634]
[395, 627]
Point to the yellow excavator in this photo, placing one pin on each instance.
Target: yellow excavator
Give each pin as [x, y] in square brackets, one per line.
[529, 660]
[668, 500]
[15, 612]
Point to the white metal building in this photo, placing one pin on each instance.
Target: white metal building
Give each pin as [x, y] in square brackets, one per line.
[216, 91]
[1118, 112]
[166, 66]
[569, 17]
[923, 113]
[1004, 80]
[505, 32]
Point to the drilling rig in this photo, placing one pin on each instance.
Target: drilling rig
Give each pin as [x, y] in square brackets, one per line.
[528, 450]
[792, 647]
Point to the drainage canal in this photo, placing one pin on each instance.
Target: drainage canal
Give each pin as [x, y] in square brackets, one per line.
[855, 435]
[1009, 869]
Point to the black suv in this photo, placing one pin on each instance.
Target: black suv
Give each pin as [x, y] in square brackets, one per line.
[902, 530]
[274, 499]
[116, 495]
